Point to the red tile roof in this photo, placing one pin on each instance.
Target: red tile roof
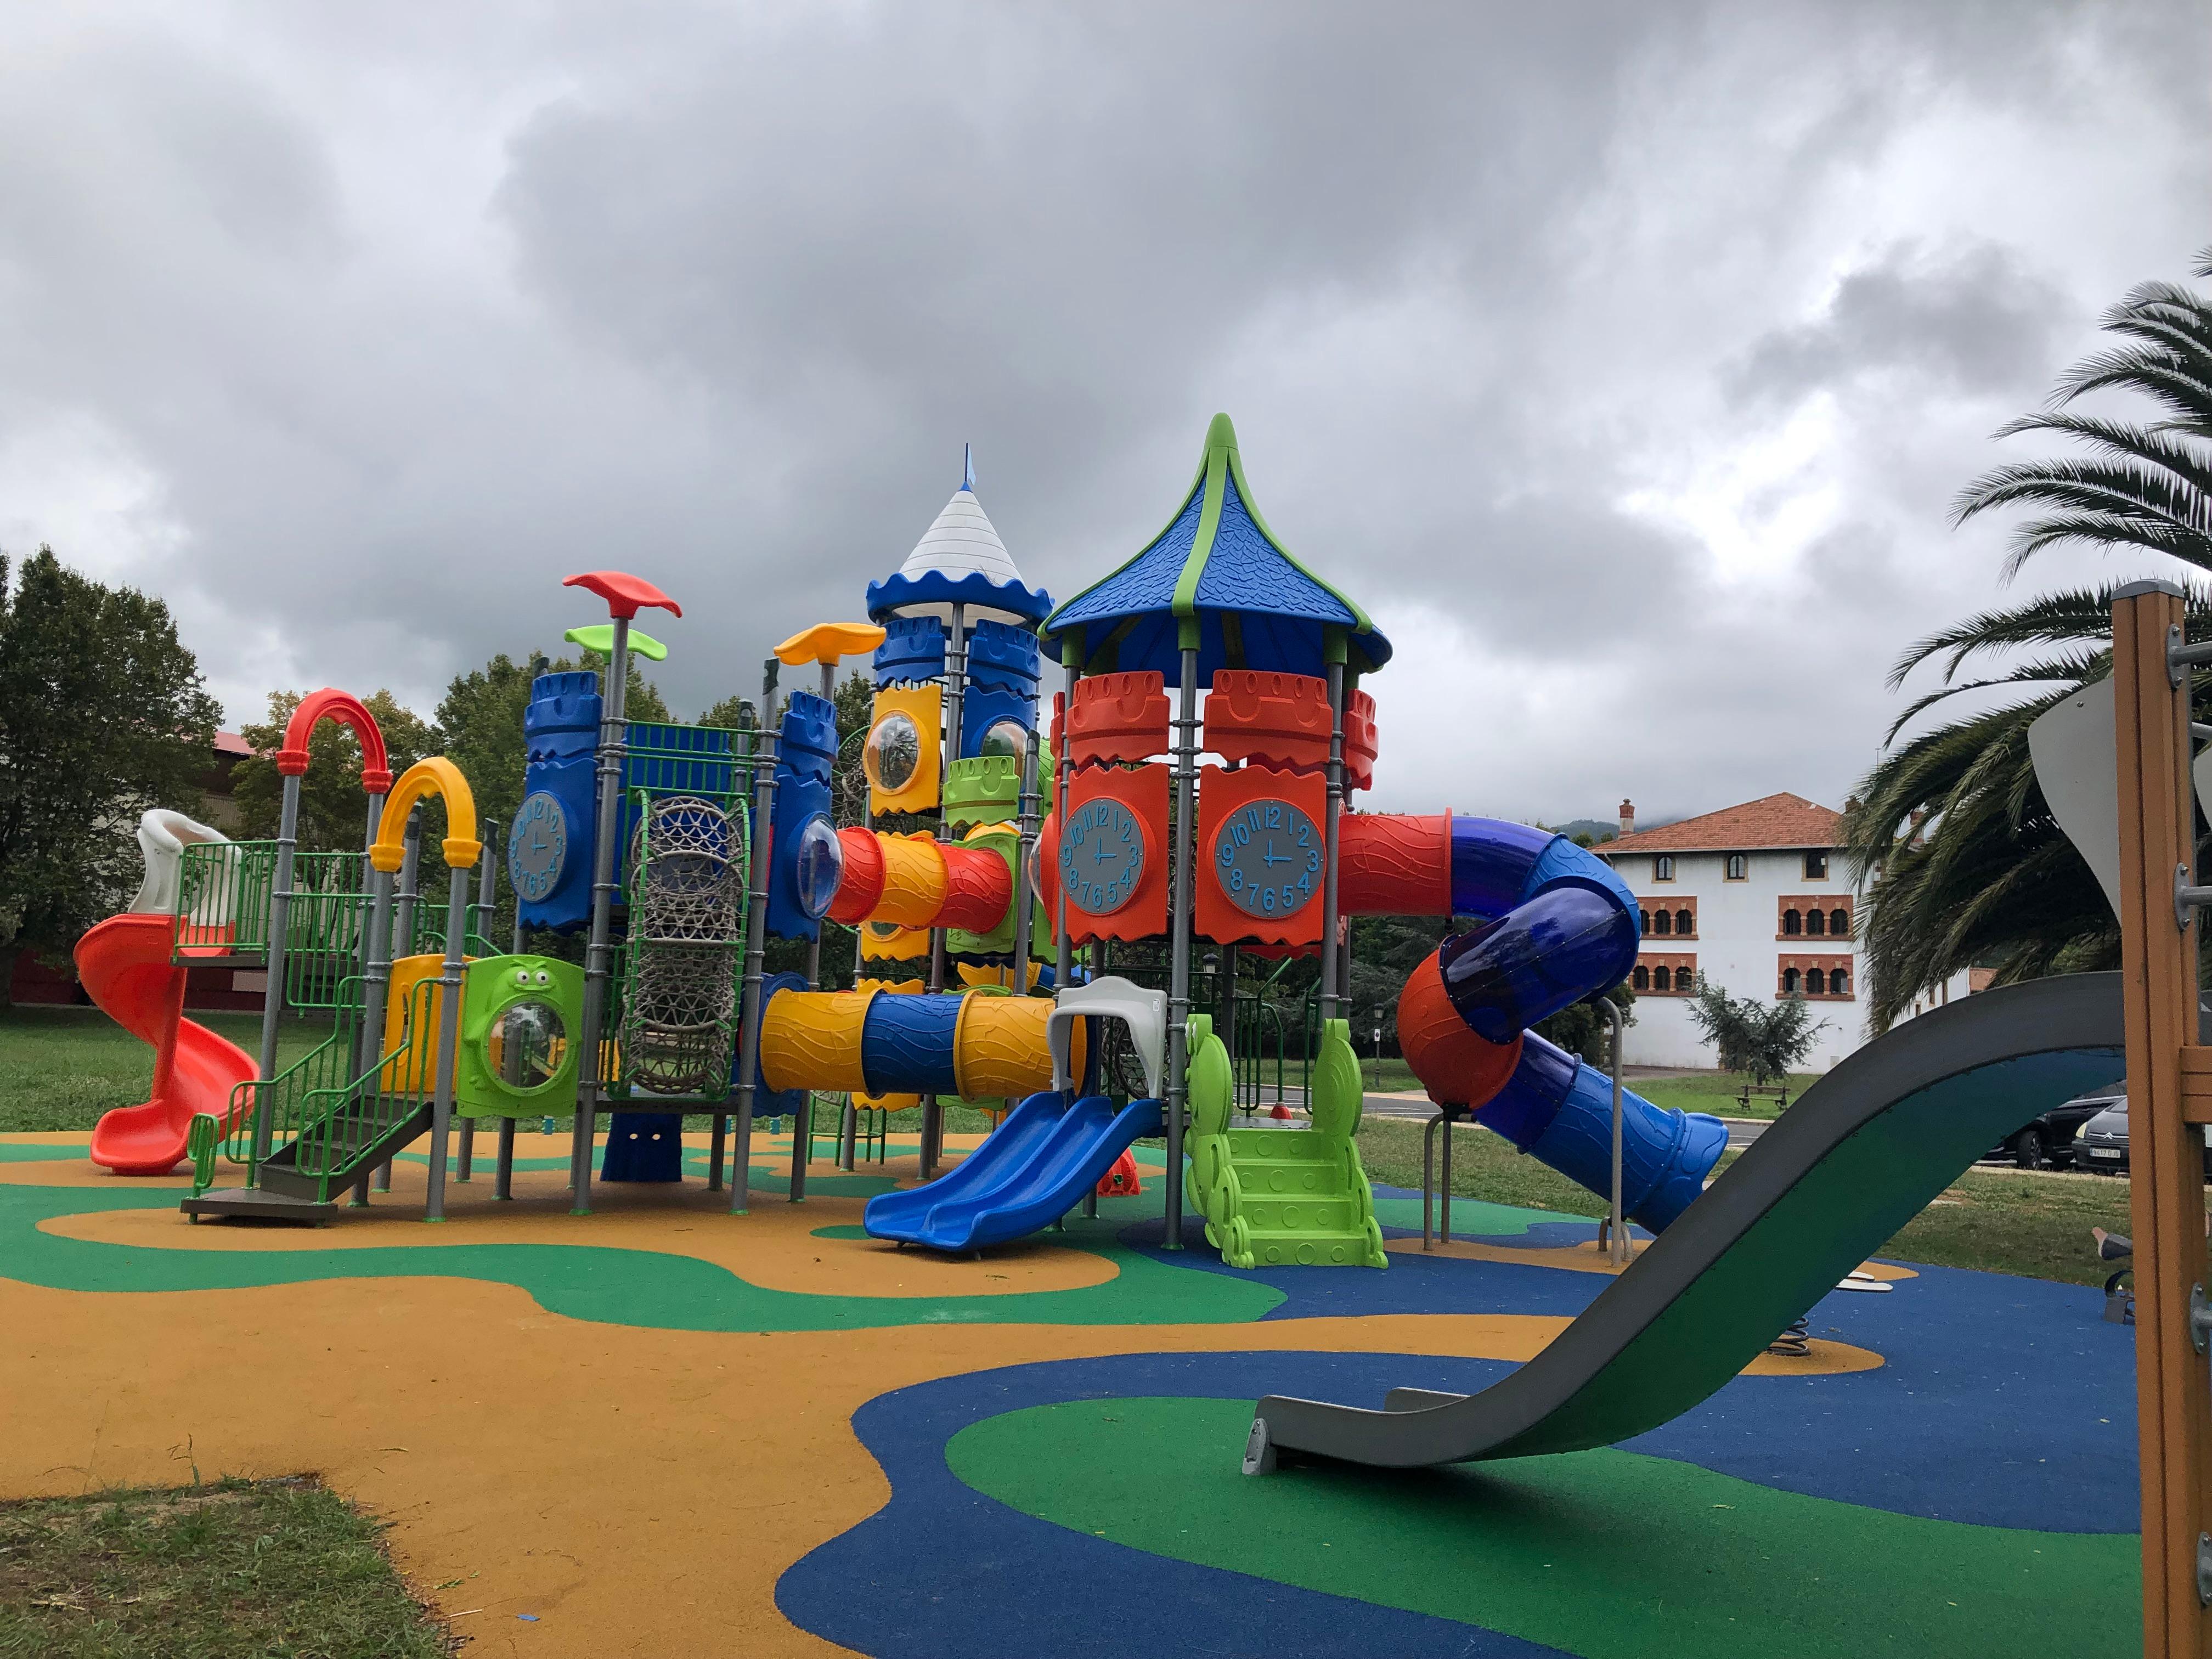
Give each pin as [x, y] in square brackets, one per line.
[1772, 821]
[230, 743]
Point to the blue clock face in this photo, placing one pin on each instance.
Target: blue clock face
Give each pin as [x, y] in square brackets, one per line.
[537, 847]
[1267, 856]
[1102, 856]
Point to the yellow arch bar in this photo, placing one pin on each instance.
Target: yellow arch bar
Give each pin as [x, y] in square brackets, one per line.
[435, 776]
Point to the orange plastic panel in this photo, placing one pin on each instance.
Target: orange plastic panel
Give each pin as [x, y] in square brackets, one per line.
[862, 884]
[1243, 829]
[331, 704]
[1394, 864]
[979, 885]
[1458, 1067]
[1118, 717]
[1143, 913]
[1360, 741]
[1278, 719]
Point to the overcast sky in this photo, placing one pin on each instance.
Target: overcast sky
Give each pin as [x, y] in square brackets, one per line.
[1620, 360]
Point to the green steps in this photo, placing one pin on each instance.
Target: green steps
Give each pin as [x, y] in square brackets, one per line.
[1280, 1198]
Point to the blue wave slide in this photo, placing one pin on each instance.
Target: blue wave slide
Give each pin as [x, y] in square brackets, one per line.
[1029, 1171]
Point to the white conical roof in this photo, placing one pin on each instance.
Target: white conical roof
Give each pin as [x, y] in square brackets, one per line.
[960, 541]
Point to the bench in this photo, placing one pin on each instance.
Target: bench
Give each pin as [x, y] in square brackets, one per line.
[1774, 1091]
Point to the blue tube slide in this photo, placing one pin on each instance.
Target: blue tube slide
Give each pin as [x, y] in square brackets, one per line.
[1561, 1111]
[1559, 926]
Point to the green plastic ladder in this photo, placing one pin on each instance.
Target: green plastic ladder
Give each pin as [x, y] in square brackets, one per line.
[1283, 1198]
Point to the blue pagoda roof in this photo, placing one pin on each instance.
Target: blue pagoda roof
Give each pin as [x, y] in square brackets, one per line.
[1216, 578]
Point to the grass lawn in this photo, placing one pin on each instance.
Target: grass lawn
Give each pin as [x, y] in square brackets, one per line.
[1693, 1091]
[2035, 1225]
[237, 1567]
[60, 1068]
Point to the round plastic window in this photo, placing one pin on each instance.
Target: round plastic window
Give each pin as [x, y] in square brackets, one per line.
[819, 866]
[893, 753]
[1009, 738]
[528, 1040]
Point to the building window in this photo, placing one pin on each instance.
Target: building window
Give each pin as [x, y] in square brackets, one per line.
[1739, 867]
[1644, 919]
[1686, 923]
[1792, 923]
[1816, 983]
[1788, 981]
[1839, 923]
[1662, 923]
[1840, 982]
[1816, 923]
[1641, 979]
[1816, 866]
[1661, 979]
[1662, 868]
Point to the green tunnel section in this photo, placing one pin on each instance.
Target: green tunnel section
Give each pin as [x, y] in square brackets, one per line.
[1607, 1555]
[606, 1286]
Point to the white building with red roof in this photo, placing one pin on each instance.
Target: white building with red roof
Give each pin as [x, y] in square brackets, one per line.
[1755, 899]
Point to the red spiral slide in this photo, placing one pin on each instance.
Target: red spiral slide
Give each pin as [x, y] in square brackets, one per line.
[125, 966]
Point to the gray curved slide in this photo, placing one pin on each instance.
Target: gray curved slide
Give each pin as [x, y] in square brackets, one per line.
[1862, 1153]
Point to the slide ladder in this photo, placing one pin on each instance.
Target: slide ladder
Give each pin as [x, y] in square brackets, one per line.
[1283, 1197]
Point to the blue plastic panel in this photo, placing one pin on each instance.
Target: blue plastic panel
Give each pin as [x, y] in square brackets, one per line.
[805, 754]
[560, 730]
[1565, 943]
[1491, 859]
[912, 654]
[1003, 656]
[905, 1046]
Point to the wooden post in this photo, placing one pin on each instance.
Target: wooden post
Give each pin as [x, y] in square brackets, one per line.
[2158, 960]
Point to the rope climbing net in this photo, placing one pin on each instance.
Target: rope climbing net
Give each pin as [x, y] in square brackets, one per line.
[686, 886]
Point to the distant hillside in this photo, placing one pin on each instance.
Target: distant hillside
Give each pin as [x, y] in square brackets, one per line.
[1605, 829]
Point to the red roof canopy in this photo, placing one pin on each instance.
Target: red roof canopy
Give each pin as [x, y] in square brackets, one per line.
[1771, 822]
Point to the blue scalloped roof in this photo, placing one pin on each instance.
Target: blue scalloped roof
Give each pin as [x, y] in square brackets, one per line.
[890, 597]
[1216, 577]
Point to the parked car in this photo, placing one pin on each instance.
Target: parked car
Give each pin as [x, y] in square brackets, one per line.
[2102, 1142]
[2049, 1142]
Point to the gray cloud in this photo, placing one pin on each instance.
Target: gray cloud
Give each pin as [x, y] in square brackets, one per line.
[1628, 355]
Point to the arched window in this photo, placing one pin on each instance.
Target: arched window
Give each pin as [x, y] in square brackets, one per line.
[1788, 981]
[1816, 983]
[1839, 923]
[1792, 923]
[1662, 868]
[1661, 979]
[1816, 923]
[1641, 979]
[1644, 919]
[1739, 866]
[1686, 921]
[1840, 982]
[1662, 923]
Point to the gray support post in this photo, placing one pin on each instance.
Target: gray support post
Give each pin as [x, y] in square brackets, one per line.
[502, 1179]
[449, 1040]
[410, 874]
[272, 995]
[1063, 952]
[614, 747]
[368, 1057]
[1619, 1238]
[1186, 782]
[764, 759]
[367, 877]
[956, 693]
[487, 881]
[1329, 970]
[1026, 826]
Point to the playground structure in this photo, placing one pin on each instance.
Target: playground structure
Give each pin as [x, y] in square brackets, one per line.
[677, 852]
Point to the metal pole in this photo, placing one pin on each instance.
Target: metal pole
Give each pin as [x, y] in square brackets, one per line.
[272, 995]
[764, 759]
[1025, 824]
[956, 693]
[369, 1056]
[502, 1179]
[402, 942]
[1063, 952]
[449, 1040]
[487, 882]
[1448, 1179]
[1186, 781]
[1428, 1176]
[1619, 1233]
[1328, 910]
[614, 747]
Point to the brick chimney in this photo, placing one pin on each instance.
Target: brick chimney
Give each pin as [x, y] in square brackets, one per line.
[1627, 818]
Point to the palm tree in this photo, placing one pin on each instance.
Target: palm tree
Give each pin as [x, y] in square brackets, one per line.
[1963, 863]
